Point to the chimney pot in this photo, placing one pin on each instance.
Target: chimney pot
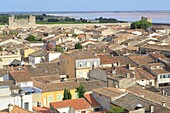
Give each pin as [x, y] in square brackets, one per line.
[128, 75]
[163, 104]
[128, 66]
[163, 91]
[10, 107]
[118, 63]
[152, 109]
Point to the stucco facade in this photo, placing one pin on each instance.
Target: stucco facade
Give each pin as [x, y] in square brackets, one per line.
[7, 59]
[55, 96]
[78, 68]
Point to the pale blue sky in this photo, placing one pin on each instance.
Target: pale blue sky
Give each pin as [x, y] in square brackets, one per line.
[83, 5]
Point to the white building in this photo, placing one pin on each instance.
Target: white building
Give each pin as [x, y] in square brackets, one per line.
[10, 95]
[37, 56]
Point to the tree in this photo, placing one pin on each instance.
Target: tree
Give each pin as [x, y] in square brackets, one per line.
[4, 18]
[52, 20]
[67, 95]
[135, 25]
[78, 46]
[143, 24]
[44, 15]
[107, 20]
[80, 91]
[74, 35]
[1, 49]
[32, 38]
[58, 49]
[116, 109]
[39, 17]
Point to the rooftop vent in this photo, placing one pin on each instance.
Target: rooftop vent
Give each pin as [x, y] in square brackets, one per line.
[20, 69]
[138, 106]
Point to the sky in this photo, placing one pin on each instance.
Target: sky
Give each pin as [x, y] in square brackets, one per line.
[83, 5]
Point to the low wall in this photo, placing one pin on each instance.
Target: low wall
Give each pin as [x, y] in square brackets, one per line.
[83, 25]
[70, 25]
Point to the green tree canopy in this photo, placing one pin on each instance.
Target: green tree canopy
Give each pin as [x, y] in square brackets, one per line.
[58, 48]
[80, 91]
[4, 18]
[78, 46]
[74, 35]
[107, 20]
[67, 95]
[32, 38]
[143, 24]
[116, 109]
[1, 49]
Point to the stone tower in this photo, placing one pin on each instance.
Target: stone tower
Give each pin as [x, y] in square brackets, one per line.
[22, 23]
[147, 19]
[32, 20]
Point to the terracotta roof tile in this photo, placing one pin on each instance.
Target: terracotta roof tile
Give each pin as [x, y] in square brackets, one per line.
[154, 97]
[140, 59]
[107, 59]
[44, 69]
[141, 73]
[41, 109]
[21, 76]
[91, 100]
[109, 92]
[16, 109]
[157, 55]
[77, 104]
[82, 54]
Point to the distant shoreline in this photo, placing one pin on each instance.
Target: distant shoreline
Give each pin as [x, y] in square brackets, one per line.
[129, 16]
[41, 12]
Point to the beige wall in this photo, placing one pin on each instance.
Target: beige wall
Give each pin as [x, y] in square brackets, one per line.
[68, 64]
[27, 52]
[7, 59]
[36, 97]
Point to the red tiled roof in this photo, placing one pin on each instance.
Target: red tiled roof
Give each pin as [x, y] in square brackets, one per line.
[91, 100]
[141, 73]
[157, 55]
[106, 59]
[41, 109]
[21, 76]
[16, 109]
[77, 104]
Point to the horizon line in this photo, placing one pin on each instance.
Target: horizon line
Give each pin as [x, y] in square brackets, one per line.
[84, 11]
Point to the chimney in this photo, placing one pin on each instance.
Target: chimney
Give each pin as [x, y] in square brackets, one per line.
[113, 69]
[10, 107]
[163, 91]
[128, 66]
[163, 104]
[118, 63]
[152, 109]
[128, 75]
